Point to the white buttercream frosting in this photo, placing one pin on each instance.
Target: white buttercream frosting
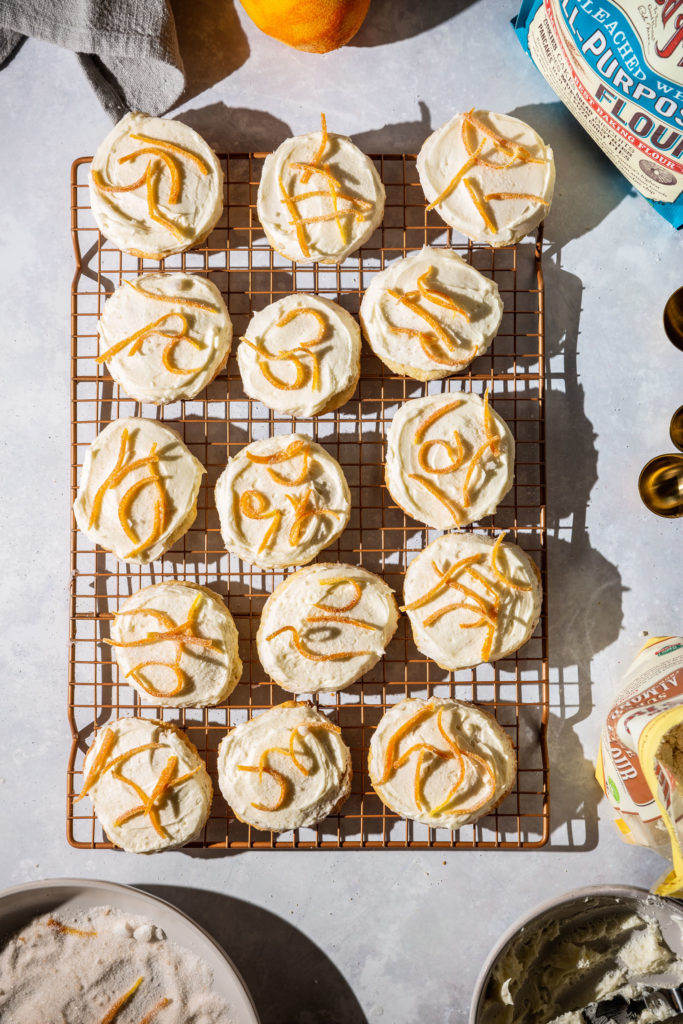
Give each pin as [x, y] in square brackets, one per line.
[312, 601]
[507, 616]
[359, 203]
[189, 306]
[318, 501]
[409, 483]
[445, 154]
[179, 474]
[331, 366]
[310, 789]
[202, 675]
[429, 279]
[124, 216]
[473, 788]
[181, 812]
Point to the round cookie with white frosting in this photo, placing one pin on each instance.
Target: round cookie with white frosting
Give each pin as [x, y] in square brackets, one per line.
[138, 489]
[301, 355]
[450, 459]
[490, 176]
[148, 785]
[177, 644]
[325, 626]
[156, 187]
[471, 599]
[320, 198]
[430, 314]
[441, 762]
[282, 500]
[164, 337]
[286, 768]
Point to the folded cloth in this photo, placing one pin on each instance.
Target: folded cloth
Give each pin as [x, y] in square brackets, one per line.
[127, 48]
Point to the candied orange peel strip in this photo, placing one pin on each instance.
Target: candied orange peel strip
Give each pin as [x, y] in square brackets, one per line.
[113, 1012]
[66, 929]
[500, 142]
[254, 505]
[338, 581]
[433, 417]
[516, 195]
[99, 494]
[100, 184]
[304, 510]
[406, 299]
[446, 608]
[452, 745]
[489, 430]
[428, 747]
[523, 587]
[320, 152]
[395, 739]
[457, 178]
[439, 297]
[277, 776]
[310, 727]
[151, 1014]
[434, 591]
[474, 462]
[343, 619]
[108, 741]
[178, 300]
[173, 148]
[171, 166]
[153, 208]
[292, 314]
[440, 496]
[479, 204]
[293, 211]
[296, 447]
[311, 655]
[456, 457]
[483, 607]
[149, 804]
[135, 340]
[454, 789]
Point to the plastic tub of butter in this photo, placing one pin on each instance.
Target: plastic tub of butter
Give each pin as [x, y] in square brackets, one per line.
[577, 949]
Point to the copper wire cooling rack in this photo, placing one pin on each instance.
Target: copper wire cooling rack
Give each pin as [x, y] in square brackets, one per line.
[220, 421]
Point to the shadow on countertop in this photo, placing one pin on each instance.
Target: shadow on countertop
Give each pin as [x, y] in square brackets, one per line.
[211, 41]
[390, 21]
[236, 129]
[289, 977]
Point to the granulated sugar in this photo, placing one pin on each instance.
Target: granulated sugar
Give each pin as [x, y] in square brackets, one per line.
[75, 970]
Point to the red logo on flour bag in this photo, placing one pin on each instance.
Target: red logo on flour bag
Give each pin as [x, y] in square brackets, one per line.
[670, 8]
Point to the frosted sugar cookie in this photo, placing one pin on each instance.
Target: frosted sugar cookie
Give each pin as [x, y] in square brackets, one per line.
[281, 501]
[138, 489]
[176, 643]
[449, 459]
[490, 176]
[325, 626]
[301, 355]
[286, 768]
[149, 787]
[319, 198]
[471, 599]
[155, 186]
[441, 762]
[430, 314]
[164, 336]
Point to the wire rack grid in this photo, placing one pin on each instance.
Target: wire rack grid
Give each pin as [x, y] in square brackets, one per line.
[379, 536]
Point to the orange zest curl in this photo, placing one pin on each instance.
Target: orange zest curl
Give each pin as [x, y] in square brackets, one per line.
[277, 776]
[500, 142]
[440, 496]
[254, 505]
[474, 462]
[65, 929]
[149, 804]
[151, 1014]
[438, 297]
[114, 1010]
[446, 608]
[174, 148]
[490, 790]
[344, 619]
[395, 739]
[296, 218]
[295, 448]
[524, 588]
[491, 435]
[433, 417]
[306, 651]
[178, 300]
[296, 734]
[103, 187]
[479, 204]
[408, 300]
[304, 510]
[456, 457]
[457, 178]
[108, 741]
[292, 314]
[443, 582]
[320, 152]
[336, 582]
[171, 165]
[516, 195]
[153, 208]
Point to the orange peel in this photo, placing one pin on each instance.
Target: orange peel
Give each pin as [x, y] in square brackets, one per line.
[66, 929]
[439, 495]
[524, 588]
[397, 736]
[306, 652]
[319, 153]
[344, 619]
[171, 166]
[336, 582]
[99, 761]
[176, 299]
[457, 178]
[277, 776]
[438, 297]
[151, 1014]
[152, 206]
[296, 218]
[296, 447]
[456, 457]
[479, 204]
[114, 1010]
[516, 195]
[100, 184]
[434, 591]
[254, 505]
[303, 510]
[173, 148]
[474, 462]
[423, 427]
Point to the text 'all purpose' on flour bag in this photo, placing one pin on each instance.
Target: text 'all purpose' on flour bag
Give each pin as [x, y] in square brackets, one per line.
[640, 761]
[617, 65]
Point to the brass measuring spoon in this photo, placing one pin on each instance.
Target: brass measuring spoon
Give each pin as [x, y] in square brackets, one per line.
[661, 481]
[673, 318]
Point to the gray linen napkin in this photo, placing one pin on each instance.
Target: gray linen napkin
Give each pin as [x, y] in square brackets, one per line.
[127, 48]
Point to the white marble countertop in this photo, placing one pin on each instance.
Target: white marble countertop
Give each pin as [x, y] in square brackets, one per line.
[352, 937]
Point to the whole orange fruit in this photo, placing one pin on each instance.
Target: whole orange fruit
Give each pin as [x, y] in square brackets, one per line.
[315, 25]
